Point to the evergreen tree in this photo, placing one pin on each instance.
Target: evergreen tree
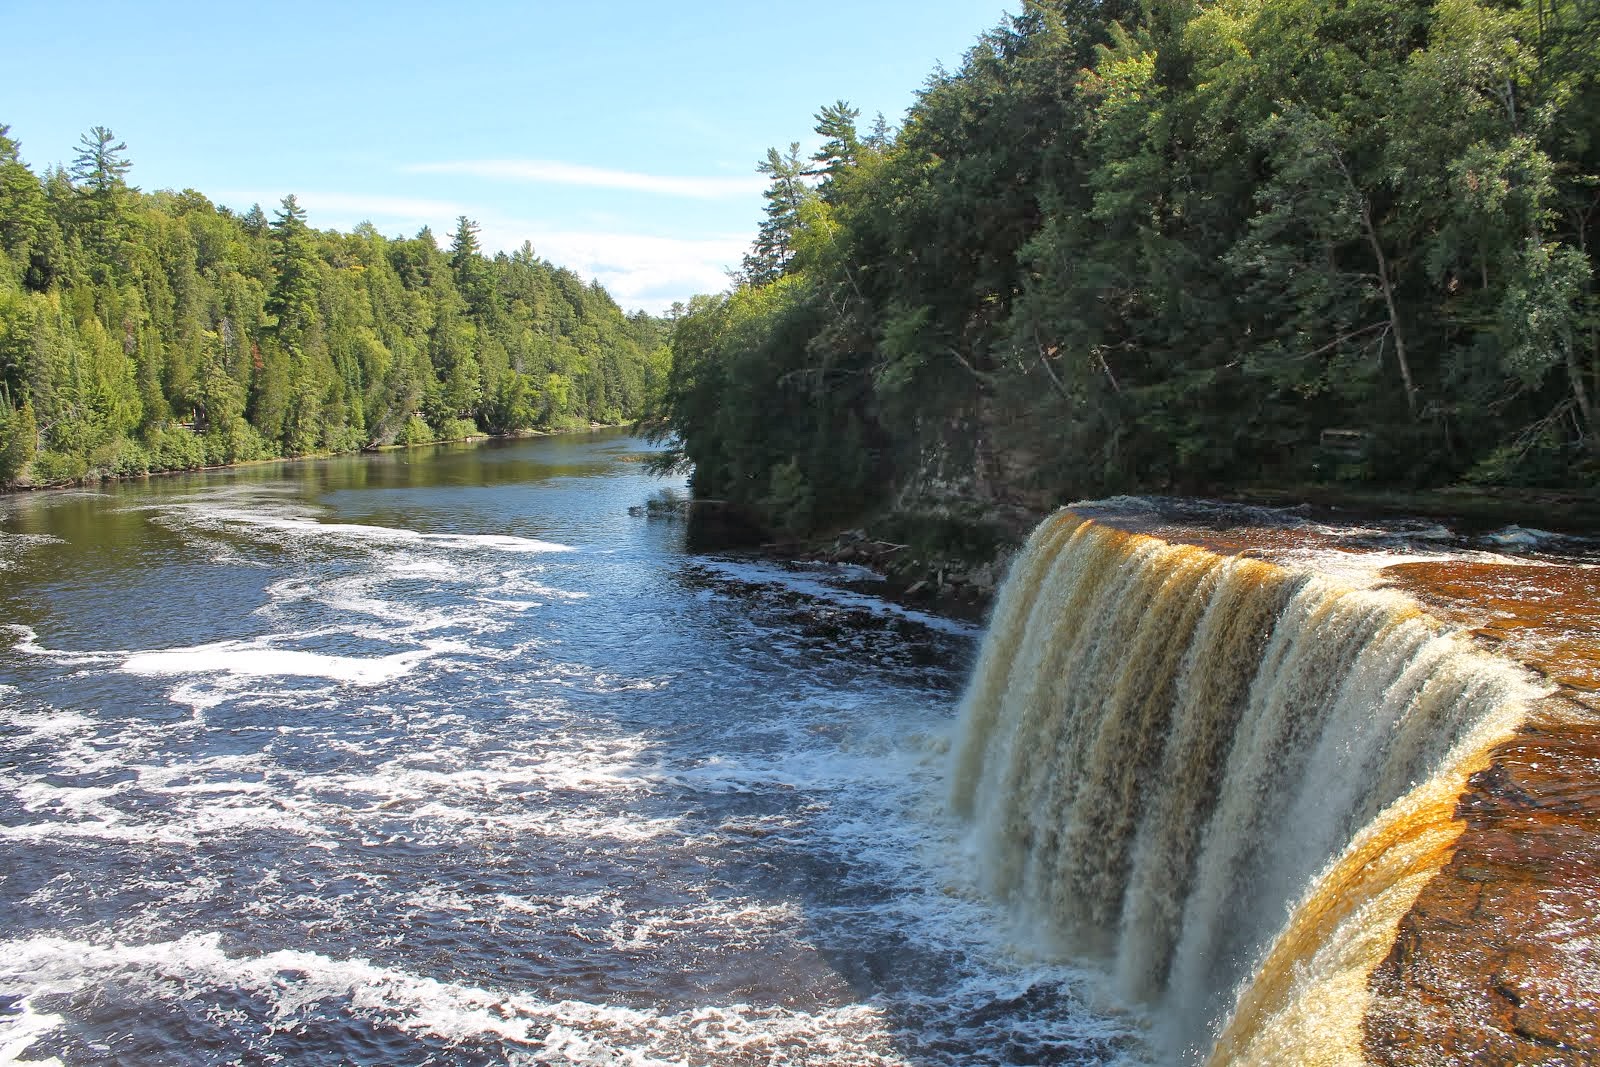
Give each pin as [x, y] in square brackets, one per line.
[786, 191]
[101, 163]
[293, 296]
[1129, 246]
[464, 250]
[841, 147]
[29, 238]
[97, 173]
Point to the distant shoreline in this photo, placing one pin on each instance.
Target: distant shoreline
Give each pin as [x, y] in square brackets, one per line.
[86, 482]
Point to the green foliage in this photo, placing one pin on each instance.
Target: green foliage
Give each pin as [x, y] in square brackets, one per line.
[1147, 246]
[118, 458]
[1540, 310]
[100, 164]
[761, 421]
[415, 432]
[18, 439]
[789, 501]
[293, 297]
[774, 244]
[457, 430]
[173, 448]
[159, 331]
[57, 468]
[30, 239]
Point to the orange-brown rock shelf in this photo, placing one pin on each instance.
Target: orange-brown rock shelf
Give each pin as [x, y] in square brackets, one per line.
[1498, 960]
[1545, 615]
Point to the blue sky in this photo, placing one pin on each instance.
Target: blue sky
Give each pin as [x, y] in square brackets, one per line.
[620, 138]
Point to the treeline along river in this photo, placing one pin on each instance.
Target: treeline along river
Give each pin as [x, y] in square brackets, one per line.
[442, 757]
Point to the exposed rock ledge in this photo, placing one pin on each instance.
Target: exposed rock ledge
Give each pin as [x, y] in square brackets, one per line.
[1498, 961]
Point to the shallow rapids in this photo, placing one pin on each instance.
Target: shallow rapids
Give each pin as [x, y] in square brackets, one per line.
[444, 758]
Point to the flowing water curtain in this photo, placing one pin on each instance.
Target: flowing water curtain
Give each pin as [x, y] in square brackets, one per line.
[1166, 752]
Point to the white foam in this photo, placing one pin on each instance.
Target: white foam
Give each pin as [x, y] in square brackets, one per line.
[518, 606]
[19, 1031]
[78, 802]
[218, 796]
[41, 724]
[515, 582]
[741, 923]
[559, 787]
[299, 523]
[409, 565]
[1428, 532]
[257, 659]
[296, 983]
[27, 642]
[573, 675]
[255, 662]
[1521, 537]
[12, 545]
[185, 825]
[1366, 568]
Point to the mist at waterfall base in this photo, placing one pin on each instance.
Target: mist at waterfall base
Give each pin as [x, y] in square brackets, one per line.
[441, 757]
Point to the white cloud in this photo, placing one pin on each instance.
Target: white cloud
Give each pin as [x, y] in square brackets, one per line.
[639, 270]
[555, 172]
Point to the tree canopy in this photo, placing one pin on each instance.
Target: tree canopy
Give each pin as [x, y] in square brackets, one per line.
[1174, 245]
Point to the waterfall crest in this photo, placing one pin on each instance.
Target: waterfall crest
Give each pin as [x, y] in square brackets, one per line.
[1225, 778]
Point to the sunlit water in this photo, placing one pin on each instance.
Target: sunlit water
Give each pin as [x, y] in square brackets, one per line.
[443, 757]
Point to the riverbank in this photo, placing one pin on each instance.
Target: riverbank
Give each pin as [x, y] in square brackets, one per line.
[96, 476]
[952, 559]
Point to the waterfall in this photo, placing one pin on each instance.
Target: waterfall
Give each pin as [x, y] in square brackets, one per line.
[1225, 779]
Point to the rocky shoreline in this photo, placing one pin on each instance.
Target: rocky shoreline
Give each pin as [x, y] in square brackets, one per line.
[946, 584]
[950, 556]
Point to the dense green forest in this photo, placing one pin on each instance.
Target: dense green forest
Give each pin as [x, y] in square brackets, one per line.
[1174, 245]
[159, 331]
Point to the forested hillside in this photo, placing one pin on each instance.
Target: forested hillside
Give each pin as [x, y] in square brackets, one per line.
[156, 331]
[1174, 245]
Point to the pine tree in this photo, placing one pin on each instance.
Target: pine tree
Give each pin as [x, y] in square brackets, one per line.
[294, 294]
[97, 174]
[774, 243]
[29, 238]
[464, 245]
[100, 163]
[841, 146]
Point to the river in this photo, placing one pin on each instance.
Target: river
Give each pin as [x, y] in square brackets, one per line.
[443, 757]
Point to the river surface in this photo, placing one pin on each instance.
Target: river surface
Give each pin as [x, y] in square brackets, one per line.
[443, 757]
